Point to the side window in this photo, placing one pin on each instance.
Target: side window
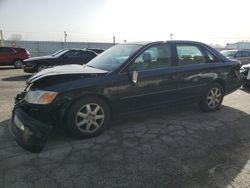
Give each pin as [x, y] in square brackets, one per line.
[189, 54]
[72, 54]
[242, 54]
[211, 57]
[6, 50]
[152, 58]
[88, 55]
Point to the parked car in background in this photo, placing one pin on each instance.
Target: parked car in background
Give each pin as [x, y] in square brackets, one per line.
[61, 57]
[241, 55]
[125, 78]
[245, 73]
[13, 56]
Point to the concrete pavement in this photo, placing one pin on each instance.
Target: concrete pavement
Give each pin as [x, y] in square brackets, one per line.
[171, 147]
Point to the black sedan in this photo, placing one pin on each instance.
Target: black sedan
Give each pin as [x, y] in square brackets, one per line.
[61, 57]
[124, 78]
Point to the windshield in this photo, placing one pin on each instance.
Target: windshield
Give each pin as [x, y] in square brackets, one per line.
[114, 57]
[229, 53]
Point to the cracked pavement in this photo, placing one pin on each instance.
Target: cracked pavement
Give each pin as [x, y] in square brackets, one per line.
[169, 147]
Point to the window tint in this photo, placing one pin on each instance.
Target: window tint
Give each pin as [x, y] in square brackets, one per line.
[6, 50]
[242, 54]
[87, 54]
[153, 58]
[72, 54]
[188, 54]
[211, 57]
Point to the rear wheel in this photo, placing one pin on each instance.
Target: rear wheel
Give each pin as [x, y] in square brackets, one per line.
[18, 63]
[88, 117]
[213, 98]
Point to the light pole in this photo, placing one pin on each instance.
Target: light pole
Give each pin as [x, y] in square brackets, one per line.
[65, 36]
[1, 38]
[171, 36]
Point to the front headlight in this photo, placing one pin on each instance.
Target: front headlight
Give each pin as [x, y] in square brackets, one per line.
[40, 97]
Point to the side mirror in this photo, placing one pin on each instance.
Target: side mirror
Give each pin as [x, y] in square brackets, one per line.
[135, 76]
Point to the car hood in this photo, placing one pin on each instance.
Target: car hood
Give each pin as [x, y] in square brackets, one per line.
[65, 70]
[40, 58]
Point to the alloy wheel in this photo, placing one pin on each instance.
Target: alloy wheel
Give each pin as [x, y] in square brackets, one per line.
[214, 98]
[89, 118]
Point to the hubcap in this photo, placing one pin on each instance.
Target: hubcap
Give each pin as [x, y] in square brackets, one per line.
[214, 97]
[41, 67]
[18, 63]
[89, 118]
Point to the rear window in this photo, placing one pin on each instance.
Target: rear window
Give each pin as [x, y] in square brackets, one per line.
[21, 50]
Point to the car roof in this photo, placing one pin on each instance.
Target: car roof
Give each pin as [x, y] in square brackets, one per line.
[236, 50]
[142, 43]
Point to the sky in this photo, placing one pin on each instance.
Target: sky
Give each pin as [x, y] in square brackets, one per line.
[210, 21]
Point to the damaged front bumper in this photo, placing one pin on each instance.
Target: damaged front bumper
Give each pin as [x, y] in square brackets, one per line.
[245, 76]
[28, 132]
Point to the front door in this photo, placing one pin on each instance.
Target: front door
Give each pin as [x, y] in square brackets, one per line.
[156, 83]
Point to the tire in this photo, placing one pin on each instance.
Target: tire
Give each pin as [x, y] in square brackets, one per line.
[246, 86]
[212, 98]
[41, 67]
[18, 64]
[88, 117]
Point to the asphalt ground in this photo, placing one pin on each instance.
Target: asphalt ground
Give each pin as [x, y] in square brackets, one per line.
[169, 147]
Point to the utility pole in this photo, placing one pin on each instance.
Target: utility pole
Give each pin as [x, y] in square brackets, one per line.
[65, 36]
[171, 36]
[1, 37]
[113, 40]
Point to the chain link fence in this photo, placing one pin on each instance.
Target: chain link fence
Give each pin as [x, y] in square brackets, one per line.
[40, 48]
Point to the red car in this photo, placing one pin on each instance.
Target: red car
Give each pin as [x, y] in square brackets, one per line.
[13, 56]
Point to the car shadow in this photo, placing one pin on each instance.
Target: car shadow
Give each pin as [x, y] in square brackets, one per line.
[167, 147]
[17, 78]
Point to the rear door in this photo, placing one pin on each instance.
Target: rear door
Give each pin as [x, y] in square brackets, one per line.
[196, 69]
[157, 81]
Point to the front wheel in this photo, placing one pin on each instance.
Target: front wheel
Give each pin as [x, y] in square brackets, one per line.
[88, 117]
[213, 98]
[41, 67]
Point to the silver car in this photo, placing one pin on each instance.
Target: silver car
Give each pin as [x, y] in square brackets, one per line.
[241, 55]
